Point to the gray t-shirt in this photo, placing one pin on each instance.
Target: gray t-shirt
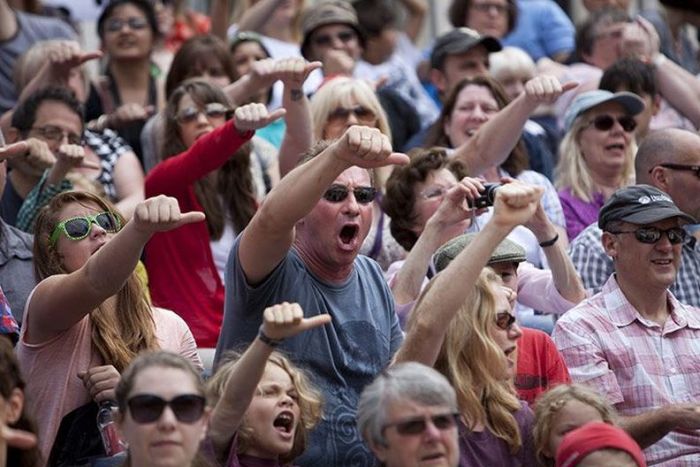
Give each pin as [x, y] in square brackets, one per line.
[341, 357]
[16, 268]
[30, 30]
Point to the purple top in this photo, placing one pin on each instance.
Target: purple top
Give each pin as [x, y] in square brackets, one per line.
[484, 448]
[234, 458]
[578, 213]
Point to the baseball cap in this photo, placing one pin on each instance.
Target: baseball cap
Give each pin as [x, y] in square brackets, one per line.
[324, 13]
[458, 41]
[595, 436]
[506, 252]
[639, 204]
[632, 103]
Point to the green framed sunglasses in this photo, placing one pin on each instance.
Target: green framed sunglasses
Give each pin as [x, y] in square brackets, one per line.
[77, 228]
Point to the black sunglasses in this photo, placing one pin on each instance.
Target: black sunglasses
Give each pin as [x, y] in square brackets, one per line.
[327, 39]
[651, 235]
[361, 113]
[211, 110]
[147, 408]
[505, 320]
[416, 426]
[689, 168]
[605, 122]
[338, 193]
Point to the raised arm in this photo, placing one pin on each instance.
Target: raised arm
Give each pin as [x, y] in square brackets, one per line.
[269, 235]
[515, 203]
[104, 273]
[220, 14]
[447, 222]
[255, 18]
[416, 11]
[262, 75]
[298, 135]
[279, 322]
[493, 142]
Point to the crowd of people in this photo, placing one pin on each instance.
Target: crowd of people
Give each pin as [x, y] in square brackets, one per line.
[296, 232]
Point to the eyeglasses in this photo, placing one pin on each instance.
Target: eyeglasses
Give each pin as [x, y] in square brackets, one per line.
[77, 228]
[324, 40]
[689, 168]
[361, 113]
[416, 426]
[135, 23]
[505, 321]
[338, 193]
[651, 235]
[55, 134]
[606, 122]
[211, 110]
[488, 6]
[434, 192]
[147, 408]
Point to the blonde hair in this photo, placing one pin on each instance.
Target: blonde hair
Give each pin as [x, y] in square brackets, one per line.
[310, 401]
[548, 405]
[511, 60]
[572, 171]
[119, 335]
[341, 91]
[472, 362]
[29, 64]
[242, 6]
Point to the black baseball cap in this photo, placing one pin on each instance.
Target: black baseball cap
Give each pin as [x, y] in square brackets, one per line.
[639, 204]
[458, 41]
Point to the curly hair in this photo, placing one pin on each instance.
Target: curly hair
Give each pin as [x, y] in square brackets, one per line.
[117, 336]
[310, 401]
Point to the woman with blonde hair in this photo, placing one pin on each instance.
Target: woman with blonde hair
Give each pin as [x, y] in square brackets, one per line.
[89, 316]
[562, 409]
[264, 405]
[596, 155]
[469, 334]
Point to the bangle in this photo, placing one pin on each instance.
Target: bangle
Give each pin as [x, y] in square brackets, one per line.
[551, 242]
[267, 340]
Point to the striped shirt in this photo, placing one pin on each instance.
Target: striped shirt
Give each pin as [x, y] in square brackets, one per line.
[595, 267]
[635, 363]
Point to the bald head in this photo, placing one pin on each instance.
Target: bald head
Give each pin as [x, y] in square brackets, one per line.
[671, 145]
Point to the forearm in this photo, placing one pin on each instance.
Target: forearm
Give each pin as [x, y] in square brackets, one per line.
[237, 395]
[408, 282]
[416, 9]
[298, 135]
[680, 88]
[443, 299]
[564, 275]
[255, 17]
[219, 14]
[493, 142]
[647, 428]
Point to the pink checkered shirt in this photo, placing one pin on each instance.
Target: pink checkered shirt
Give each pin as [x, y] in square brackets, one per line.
[635, 363]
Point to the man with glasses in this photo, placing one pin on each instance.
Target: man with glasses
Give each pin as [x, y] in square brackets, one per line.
[670, 161]
[303, 246]
[51, 123]
[634, 341]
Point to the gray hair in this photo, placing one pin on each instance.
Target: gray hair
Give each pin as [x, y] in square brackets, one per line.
[410, 381]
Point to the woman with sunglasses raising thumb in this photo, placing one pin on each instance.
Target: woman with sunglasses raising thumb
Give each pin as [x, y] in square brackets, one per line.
[90, 309]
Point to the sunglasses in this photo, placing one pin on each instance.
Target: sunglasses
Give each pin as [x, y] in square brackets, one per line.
[134, 23]
[361, 113]
[651, 235]
[416, 426]
[211, 110]
[338, 193]
[689, 168]
[606, 122]
[324, 40]
[56, 134]
[77, 228]
[505, 321]
[147, 408]
[488, 6]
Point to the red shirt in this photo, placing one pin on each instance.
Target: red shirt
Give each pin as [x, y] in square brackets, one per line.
[181, 271]
[540, 365]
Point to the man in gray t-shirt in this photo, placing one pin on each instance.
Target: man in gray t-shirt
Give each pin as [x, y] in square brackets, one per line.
[18, 32]
[302, 246]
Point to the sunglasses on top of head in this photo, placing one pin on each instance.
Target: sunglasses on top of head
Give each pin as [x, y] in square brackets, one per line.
[148, 408]
[504, 320]
[211, 110]
[338, 193]
[77, 228]
[416, 426]
[606, 122]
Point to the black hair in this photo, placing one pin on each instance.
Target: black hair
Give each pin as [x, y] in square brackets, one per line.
[24, 115]
[586, 33]
[374, 16]
[145, 6]
[629, 74]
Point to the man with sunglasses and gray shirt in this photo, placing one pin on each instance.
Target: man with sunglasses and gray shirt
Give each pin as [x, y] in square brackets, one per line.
[634, 342]
[670, 161]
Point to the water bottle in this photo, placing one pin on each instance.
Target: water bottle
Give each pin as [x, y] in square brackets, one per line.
[108, 428]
